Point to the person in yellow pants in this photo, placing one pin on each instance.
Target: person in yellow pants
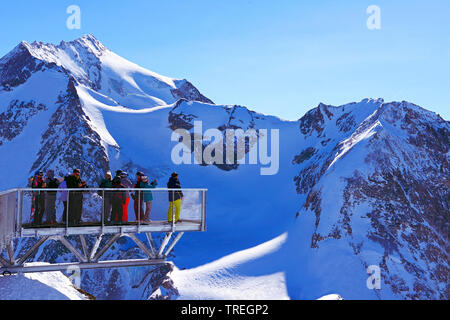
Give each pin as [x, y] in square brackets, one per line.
[175, 197]
[177, 209]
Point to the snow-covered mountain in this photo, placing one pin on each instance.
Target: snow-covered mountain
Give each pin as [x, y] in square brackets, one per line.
[374, 181]
[52, 97]
[358, 185]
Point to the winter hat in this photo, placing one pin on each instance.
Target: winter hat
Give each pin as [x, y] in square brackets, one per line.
[108, 173]
[140, 173]
[124, 174]
[174, 174]
[38, 173]
[118, 172]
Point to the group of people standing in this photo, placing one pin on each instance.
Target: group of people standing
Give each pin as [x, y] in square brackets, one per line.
[115, 202]
[115, 208]
[44, 202]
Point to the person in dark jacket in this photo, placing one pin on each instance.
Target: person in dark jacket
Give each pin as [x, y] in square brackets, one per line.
[175, 198]
[137, 197]
[107, 200]
[50, 197]
[38, 203]
[74, 181]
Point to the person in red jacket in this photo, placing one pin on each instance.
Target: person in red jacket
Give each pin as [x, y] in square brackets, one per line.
[126, 184]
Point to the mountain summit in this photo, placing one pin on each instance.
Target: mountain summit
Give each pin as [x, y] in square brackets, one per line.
[93, 65]
[66, 84]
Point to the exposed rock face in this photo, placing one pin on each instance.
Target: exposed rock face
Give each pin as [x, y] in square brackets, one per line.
[16, 117]
[314, 119]
[345, 122]
[179, 119]
[70, 142]
[17, 67]
[185, 90]
[159, 285]
[233, 118]
[404, 231]
[304, 155]
[167, 291]
[392, 173]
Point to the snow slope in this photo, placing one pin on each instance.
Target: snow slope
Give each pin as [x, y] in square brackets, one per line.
[248, 274]
[39, 286]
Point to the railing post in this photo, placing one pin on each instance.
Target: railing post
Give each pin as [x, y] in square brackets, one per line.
[10, 249]
[67, 211]
[103, 209]
[164, 243]
[150, 242]
[19, 212]
[204, 210]
[139, 209]
[173, 212]
[201, 211]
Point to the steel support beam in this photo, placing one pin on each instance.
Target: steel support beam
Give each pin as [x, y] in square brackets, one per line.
[141, 245]
[32, 250]
[164, 243]
[106, 247]
[4, 262]
[95, 247]
[151, 243]
[174, 242]
[72, 249]
[10, 249]
[87, 265]
[84, 245]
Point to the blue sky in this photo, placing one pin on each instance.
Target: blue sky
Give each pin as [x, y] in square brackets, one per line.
[275, 57]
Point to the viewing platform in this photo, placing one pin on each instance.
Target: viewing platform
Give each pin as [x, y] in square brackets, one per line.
[64, 214]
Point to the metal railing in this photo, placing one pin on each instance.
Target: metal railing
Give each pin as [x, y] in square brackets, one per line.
[8, 211]
[34, 212]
